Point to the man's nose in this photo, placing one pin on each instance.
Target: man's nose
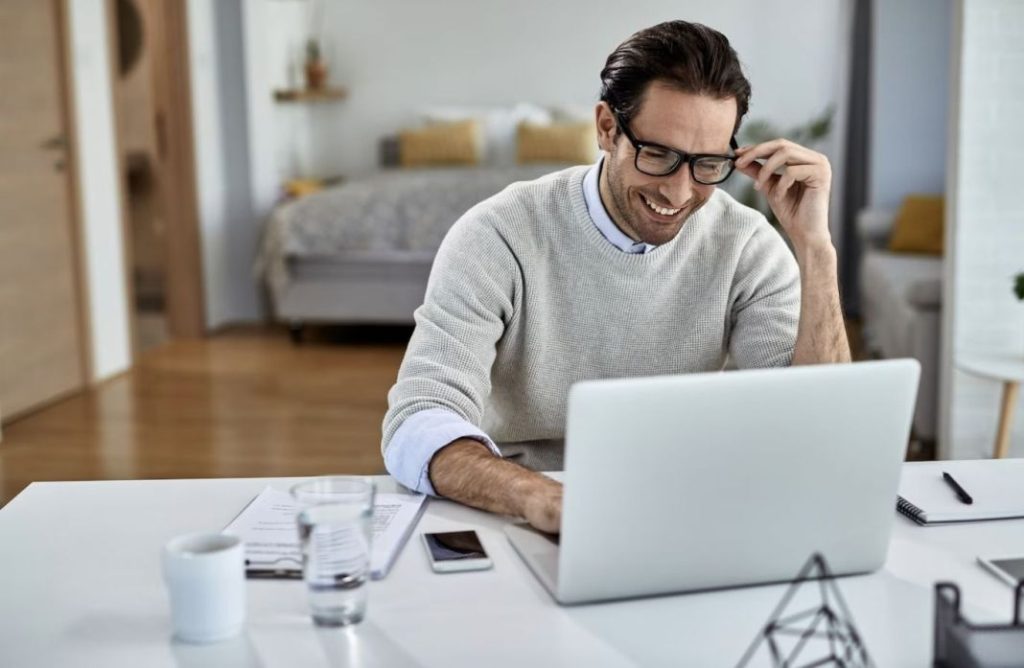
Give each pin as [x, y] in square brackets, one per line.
[677, 189]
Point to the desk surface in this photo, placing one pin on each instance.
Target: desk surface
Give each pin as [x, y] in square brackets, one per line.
[80, 584]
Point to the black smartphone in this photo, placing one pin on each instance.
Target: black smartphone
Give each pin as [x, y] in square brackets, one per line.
[453, 551]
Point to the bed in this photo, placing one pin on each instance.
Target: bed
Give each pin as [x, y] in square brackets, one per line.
[360, 252]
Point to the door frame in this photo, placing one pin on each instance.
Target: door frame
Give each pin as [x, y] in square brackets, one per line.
[185, 304]
[75, 218]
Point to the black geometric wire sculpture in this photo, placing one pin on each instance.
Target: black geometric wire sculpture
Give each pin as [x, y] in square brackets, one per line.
[823, 635]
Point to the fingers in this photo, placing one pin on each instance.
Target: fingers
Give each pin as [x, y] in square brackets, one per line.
[548, 516]
[543, 510]
[784, 184]
[751, 170]
[799, 154]
[759, 173]
[792, 175]
[777, 161]
[780, 157]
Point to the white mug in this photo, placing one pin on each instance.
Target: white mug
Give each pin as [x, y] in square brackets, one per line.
[205, 575]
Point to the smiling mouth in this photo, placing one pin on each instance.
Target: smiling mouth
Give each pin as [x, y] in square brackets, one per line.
[660, 210]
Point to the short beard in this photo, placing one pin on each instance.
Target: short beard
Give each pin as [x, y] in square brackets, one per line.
[621, 200]
[617, 191]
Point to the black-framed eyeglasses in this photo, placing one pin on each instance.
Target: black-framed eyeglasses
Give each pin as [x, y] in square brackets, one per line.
[656, 160]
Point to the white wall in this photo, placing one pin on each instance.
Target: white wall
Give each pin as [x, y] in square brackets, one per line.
[230, 232]
[397, 56]
[100, 204]
[985, 220]
[909, 99]
[274, 33]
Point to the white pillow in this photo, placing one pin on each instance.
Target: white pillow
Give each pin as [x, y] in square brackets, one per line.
[572, 113]
[497, 124]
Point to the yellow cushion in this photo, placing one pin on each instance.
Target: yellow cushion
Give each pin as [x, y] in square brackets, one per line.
[574, 143]
[440, 144]
[919, 226]
[302, 187]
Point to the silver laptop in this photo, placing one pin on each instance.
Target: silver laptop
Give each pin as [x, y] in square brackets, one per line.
[703, 481]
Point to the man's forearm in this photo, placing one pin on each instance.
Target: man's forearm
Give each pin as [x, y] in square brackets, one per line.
[467, 472]
[821, 336]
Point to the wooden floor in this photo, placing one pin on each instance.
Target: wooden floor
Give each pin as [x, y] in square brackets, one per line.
[244, 403]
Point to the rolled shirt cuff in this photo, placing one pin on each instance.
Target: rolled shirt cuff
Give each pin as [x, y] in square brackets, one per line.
[419, 437]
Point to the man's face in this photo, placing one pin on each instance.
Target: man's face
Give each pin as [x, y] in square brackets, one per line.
[683, 121]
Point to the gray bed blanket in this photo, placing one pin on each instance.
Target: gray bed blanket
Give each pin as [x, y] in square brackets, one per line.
[403, 210]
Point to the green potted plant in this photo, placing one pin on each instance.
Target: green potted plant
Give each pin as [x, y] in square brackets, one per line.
[316, 66]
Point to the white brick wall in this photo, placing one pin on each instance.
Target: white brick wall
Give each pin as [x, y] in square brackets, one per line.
[985, 220]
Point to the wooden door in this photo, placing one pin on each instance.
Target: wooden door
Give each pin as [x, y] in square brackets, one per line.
[153, 109]
[41, 333]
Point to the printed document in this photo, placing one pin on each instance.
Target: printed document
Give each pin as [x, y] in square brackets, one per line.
[268, 528]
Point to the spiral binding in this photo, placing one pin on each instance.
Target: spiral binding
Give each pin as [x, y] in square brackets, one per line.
[910, 510]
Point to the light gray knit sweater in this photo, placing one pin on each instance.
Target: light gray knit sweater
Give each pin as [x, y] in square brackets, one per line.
[527, 297]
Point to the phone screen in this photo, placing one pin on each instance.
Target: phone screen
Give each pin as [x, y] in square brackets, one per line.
[1012, 567]
[454, 546]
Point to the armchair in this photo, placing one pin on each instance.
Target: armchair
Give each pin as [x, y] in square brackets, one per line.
[901, 307]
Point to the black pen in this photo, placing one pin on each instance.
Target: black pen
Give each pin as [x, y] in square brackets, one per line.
[273, 574]
[960, 491]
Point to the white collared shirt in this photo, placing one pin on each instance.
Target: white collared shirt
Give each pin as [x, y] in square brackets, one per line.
[595, 207]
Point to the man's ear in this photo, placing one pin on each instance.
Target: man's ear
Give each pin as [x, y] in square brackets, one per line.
[607, 128]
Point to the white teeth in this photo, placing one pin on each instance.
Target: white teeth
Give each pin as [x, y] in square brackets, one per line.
[657, 209]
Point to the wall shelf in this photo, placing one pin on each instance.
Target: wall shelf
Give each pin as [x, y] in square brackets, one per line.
[310, 95]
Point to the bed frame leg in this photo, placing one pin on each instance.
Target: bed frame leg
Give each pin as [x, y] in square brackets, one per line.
[296, 331]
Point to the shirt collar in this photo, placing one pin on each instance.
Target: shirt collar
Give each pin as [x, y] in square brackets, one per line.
[598, 214]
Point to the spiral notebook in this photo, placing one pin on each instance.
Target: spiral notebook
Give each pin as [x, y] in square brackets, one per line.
[996, 486]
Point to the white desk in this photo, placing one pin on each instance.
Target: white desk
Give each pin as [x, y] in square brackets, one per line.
[80, 585]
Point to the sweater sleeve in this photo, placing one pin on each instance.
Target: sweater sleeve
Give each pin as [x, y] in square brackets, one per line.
[765, 300]
[470, 298]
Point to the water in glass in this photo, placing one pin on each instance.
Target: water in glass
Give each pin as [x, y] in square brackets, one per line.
[335, 540]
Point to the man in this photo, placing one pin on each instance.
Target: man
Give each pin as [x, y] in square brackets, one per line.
[635, 266]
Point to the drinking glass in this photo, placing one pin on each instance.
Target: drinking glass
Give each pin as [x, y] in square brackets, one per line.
[335, 515]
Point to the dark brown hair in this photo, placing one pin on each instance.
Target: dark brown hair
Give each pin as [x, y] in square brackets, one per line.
[688, 56]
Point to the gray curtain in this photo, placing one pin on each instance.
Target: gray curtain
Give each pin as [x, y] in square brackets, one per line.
[855, 181]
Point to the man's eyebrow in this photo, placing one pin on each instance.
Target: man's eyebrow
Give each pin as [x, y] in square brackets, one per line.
[730, 148]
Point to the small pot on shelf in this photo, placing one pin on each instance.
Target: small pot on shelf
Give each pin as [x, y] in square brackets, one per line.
[316, 66]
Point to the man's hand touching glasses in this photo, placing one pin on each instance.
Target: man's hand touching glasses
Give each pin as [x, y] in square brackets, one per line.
[796, 181]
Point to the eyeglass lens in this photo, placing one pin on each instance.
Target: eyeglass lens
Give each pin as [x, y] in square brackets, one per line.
[659, 162]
